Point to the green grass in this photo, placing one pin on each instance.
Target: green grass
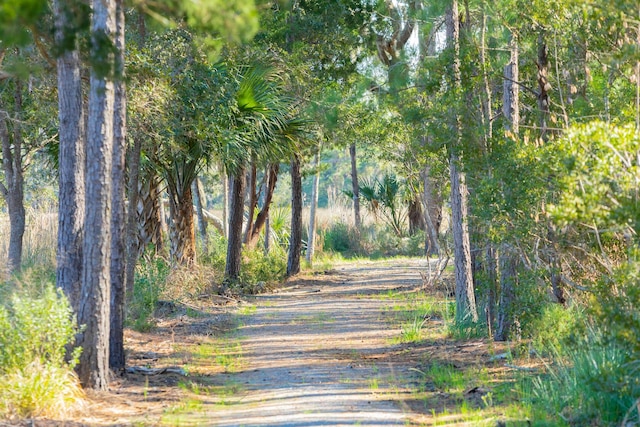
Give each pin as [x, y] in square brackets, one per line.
[247, 310]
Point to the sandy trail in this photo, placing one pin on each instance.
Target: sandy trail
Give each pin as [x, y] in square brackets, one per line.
[312, 354]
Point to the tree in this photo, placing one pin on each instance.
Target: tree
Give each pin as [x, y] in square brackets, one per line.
[13, 190]
[465, 297]
[266, 125]
[71, 161]
[94, 307]
[118, 262]
[295, 239]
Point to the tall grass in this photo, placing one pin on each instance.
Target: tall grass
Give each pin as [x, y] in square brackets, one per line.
[39, 242]
[593, 383]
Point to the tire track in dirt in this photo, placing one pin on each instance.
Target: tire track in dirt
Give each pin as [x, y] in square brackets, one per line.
[312, 354]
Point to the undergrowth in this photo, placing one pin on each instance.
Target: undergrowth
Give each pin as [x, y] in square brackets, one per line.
[35, 378]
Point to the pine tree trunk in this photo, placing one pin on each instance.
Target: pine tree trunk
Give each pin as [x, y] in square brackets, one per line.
[312, 211]
[93, 368]
[118, 254]
[508, 280]
[508, 258]
[236, 214]
[202, 223]
[432, 215]
[182, 232]
[13, 192]
[491, 270]
[132, 239]
[465, 297]
[225, 202]
[295, 239]
[543, 85]
[355, 186]
[71, 165]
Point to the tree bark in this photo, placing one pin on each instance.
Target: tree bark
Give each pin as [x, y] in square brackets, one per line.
[465, 297]
[543, 85]
[202, 223]
[416, 218]
[71, 164]
[118, 254]
[252, 189]
[313, 210]
[132, 239]
[511, 90]
[93, 368]
[261, 219]
[432, 213]
[355, 185]
[225, 202]
[508, 280]
[13, 192]
[295, 239]
[182, 233]
[236, 213]
[149, 216]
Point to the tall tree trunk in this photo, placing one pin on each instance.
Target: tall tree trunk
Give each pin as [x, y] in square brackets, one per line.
[182, 233]
[491, 270]
[13, 192]
[465, 297]
[508, 257]
[71, 162]
[432, 213]
[508, 280]
[543, 85]
[202, 223]
[295, 239]
[271, 178]
[132, 239]
[267, 234]
[236, 214]
[93, 368]
[486, 106]
[118, 255]
[225, 201]
[355, 186]
[313, 210]
[252, 189]
[511, 90]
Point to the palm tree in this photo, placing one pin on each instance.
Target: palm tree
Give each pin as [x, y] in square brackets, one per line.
[267, 125]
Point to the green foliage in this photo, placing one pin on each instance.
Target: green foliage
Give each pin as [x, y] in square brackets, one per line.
[35, 329]
[149, 283]
[615, 303]
[593, 385]
[260, 270]
[553, 329]
[384, 199]
[340, 237]
[35, 379]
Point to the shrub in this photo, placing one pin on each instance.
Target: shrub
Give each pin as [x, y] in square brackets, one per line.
[148, 285]
[35, 379]
[593, 383]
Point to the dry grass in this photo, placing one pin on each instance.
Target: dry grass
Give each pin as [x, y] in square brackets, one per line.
[39, 241]
[40, 390]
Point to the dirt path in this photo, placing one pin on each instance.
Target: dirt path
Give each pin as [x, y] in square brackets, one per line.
[312, 354]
